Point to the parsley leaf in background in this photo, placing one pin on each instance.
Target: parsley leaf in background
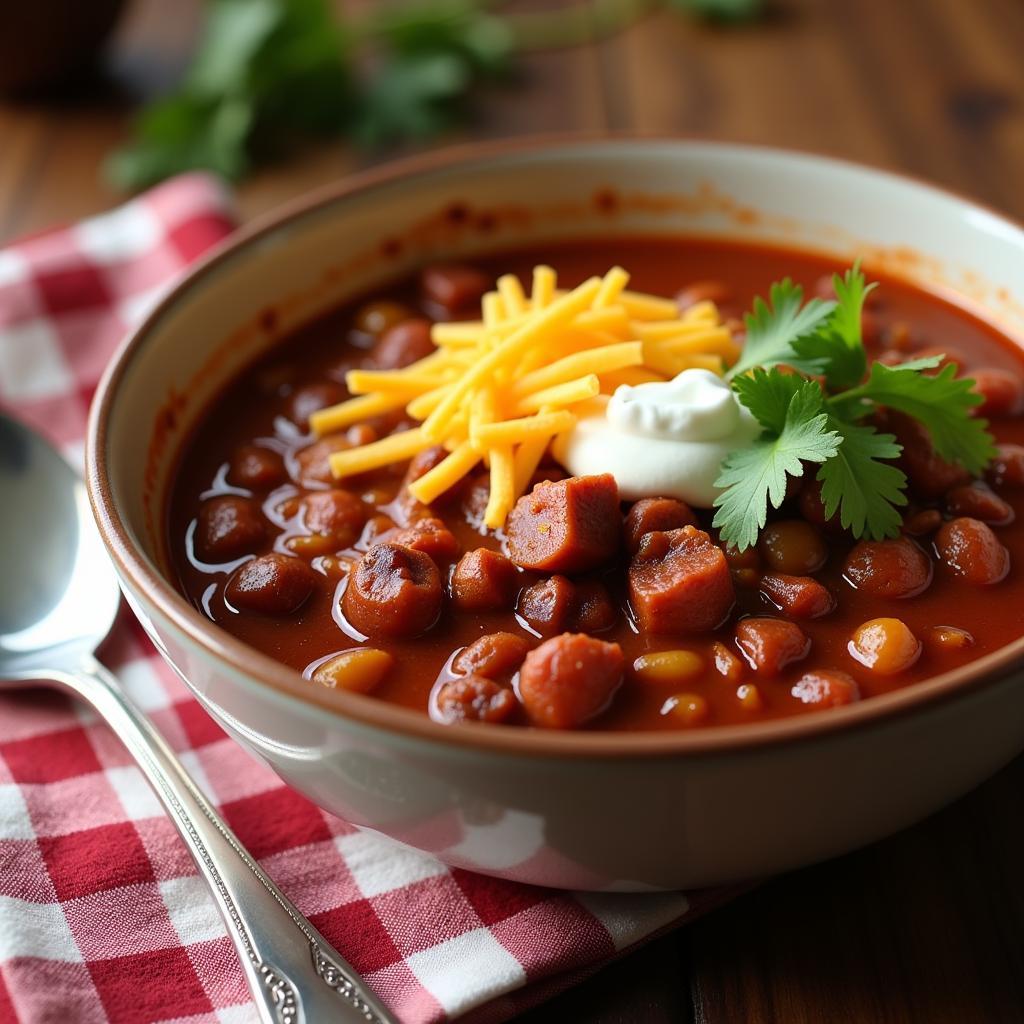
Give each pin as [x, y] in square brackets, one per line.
[775, 326]
[268, 74]
[756, 475]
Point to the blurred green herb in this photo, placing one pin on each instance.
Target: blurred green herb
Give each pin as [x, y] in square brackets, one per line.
[268, 74]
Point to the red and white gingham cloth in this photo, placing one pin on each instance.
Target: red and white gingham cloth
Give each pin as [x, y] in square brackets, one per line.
[102, 914]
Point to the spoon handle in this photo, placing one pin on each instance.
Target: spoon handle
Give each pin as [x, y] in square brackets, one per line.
[295, 976]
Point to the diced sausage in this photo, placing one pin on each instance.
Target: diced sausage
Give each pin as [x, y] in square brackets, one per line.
[793, 547]
[228, 527]
[650, 514]
[474, 698]
[886, 646]
[403, 344]
[393, 591]
[430, 536]
[484, 580]
[888, 568]
[827, 689]
[769, 645]
[799, 597]
[547, 605]
[726, 663]
[567, 525]
[336, 513]
[972, 551]
[272, 584]
[978, 502]
[495, 656]
[1007, 468]
[929, 475]
[374, 318]
[679, 582]
[312, 398]
[256, 468]
[569, 679]
[1002, 392]
[454, 287]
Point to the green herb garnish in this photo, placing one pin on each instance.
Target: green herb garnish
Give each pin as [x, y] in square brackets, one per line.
[815, 414]
[269, 74]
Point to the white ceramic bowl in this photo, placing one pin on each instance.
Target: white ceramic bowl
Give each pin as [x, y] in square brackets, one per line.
[588, 810]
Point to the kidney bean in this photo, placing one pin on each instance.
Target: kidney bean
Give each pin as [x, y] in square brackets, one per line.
[593, 610]
[313, 462]
[812, 508]
[1007, 468]
[885, 646]
[403, 344]
[272, 584]
[650, 514]
[495, 655]
[828, 689]
[228, 527]
[929, 475]
[972, 551]
[943, 639]
[455, 287]
[256, 468]
[888, 568]
[374, 318]
[920, 524]
[679, 582]
[569, 679]
[474, 698]
[336, 513]
[979, 502]
[800, 597]
[312, 398]
[1002, 392]
[393, 591]
[769, 645]
[570, 525]
[793, 547]
[484, 580]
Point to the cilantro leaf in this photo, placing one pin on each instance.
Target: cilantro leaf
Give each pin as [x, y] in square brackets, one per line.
[836, 349]
[774, 326]
[756, 475]
[768, 394]
[942, 402]
[864, 488]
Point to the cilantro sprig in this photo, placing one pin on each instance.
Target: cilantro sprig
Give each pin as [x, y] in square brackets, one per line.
[804, 376]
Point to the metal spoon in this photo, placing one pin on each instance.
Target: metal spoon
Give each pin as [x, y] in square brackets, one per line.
[58, 600]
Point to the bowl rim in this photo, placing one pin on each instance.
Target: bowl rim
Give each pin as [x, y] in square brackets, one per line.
[263, 671]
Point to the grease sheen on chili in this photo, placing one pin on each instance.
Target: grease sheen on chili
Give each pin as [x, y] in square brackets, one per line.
[812, 625]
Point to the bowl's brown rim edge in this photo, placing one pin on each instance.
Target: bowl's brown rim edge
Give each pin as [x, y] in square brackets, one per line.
[367, 711]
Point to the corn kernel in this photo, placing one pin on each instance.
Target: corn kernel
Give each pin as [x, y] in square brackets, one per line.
[688, 709]
[359, 670]
[668, 666]
[749, 697]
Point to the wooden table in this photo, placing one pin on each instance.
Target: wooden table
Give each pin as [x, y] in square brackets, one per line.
[926, 927]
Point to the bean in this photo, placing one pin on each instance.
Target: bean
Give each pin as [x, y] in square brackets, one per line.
[793, 547]
[359, 670]
[668, 666]
[885, 645]
[688, 709]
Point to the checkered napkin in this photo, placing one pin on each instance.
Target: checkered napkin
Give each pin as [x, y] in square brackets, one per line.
[102, 914]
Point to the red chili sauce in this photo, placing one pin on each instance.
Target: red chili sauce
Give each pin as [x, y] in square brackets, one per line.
[253, 482]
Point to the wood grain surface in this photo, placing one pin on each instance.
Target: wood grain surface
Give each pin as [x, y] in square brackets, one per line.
[928, 926]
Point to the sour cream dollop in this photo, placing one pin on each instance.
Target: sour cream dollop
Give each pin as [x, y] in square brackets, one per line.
[665, 439]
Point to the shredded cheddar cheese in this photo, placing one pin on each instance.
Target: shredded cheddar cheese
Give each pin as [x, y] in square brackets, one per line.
[498, 390]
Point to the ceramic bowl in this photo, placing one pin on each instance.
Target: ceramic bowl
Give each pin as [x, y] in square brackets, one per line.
[585, 810]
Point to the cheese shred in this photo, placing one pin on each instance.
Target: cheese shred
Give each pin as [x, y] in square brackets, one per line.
[498, 390]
